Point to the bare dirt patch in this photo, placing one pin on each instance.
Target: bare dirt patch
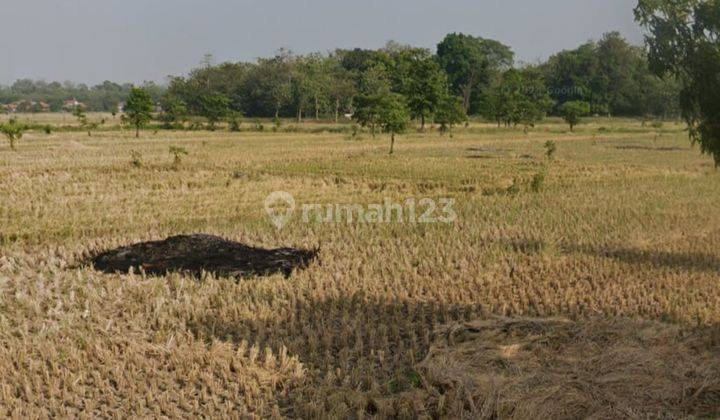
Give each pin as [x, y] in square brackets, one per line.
[195, 254]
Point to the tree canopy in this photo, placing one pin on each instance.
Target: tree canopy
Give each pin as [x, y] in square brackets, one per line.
[684, 42]
[138, 108]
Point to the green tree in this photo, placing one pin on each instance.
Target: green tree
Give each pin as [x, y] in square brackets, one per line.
[393, 116]
[420, 79]
[276, 79]
[384, 110]
[520, 97]
[214, 107]
[367, 111]
[573, 111]
[449, 113]
[470, 63]
[138, 109]
[341, 89]
[13, 131]
[84, 121]
[174, 111]
[684, 41]
[79, 113]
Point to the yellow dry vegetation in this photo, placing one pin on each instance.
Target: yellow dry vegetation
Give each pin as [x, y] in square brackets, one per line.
[624, 227]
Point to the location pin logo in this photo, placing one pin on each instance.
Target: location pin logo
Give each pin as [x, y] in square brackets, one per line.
[280, 206]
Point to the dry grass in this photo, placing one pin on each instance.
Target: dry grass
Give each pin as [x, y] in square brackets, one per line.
[625, 226]
[556, 368]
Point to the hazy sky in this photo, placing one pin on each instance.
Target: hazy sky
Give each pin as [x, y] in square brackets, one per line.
[135, 40]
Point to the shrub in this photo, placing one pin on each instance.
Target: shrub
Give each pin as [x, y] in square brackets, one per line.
[234, 123]
[177, 152]
[13, 131]
[135, 158]
[538, 181]
[550, 149]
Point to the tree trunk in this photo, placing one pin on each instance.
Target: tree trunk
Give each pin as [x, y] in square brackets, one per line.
[317, 110]
[392, 142]
[277, 112]
[466, 98]
[137, 131]
[422, 122]
[571, 128]
[299, 115]
[337, 109]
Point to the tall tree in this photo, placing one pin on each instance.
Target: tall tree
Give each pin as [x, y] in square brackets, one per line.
[138, 109]
[470, 63]
[420, 79]
[684, 41]
[341, 88]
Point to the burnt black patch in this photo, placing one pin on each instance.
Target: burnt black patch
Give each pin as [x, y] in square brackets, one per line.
[195, 254]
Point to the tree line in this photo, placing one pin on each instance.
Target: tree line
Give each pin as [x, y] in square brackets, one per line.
[611, 76]
[103, 97]
[476, 75]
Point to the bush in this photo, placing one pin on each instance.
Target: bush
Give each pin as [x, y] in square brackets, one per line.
[538, 181]
[234, 123]
[550, 149]
[177, 153]
[135, 158]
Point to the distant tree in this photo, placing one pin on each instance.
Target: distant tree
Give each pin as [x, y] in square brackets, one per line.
[375, 80]
[470, 63]
[214, 107]
[384, 110]
[421, 80]
[84, 121]
[684, 41]
[174, 111]
[519, 97]
[303, 86]
[13, 131]
[341, 89]
[449, 113]
[138, 109]
[367, 111]
[575, 75]
[318, 72]
[276, 79]
[79, 113]
[573, 111]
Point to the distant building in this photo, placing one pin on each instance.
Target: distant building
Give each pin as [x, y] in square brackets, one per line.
[72, 104]
[9, 108]
[25, 106]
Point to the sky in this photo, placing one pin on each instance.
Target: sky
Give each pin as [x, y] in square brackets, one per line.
[90, 41]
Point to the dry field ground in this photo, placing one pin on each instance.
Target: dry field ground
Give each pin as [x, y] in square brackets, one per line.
[619, 252]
